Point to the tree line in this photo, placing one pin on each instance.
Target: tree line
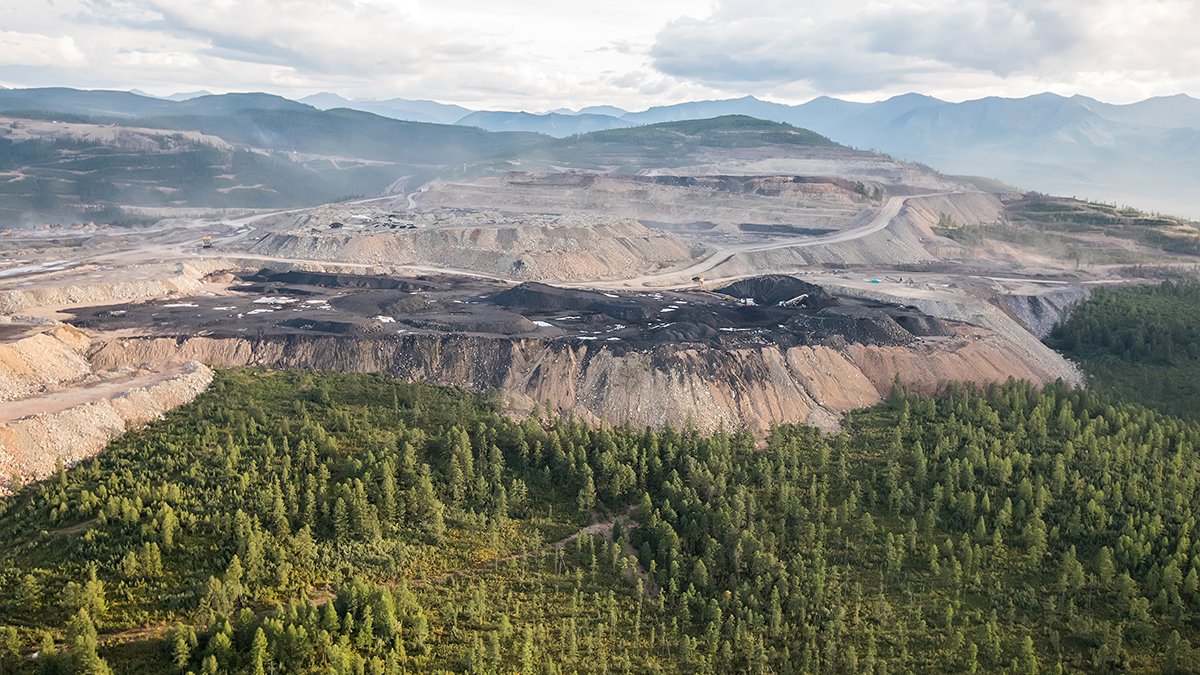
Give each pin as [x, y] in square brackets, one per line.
[292, 522]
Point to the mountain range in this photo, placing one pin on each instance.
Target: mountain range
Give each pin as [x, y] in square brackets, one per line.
[1145, 154]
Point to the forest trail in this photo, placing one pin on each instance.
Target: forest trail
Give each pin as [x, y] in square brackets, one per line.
[605, 528]
[593, 529]
[319, 595]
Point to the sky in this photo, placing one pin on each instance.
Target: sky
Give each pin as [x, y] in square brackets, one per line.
[538, 55]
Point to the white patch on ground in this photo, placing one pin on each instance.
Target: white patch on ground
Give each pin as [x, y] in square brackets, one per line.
[259, 311]
[384, 319]
[181, 304]
[54, 266]
[543, 324]
[274, 301]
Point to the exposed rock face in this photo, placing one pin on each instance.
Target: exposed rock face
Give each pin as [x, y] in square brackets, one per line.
[29, 447]
[706, 387]
[184, 278]
[1041, 311]
[45, 359]
[818, 202]
[1023, 346]
[563, 248]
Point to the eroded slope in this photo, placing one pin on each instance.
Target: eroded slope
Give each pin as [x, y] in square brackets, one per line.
[699, 357]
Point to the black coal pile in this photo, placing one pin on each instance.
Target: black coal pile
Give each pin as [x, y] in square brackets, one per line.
[334, 327]
[836, 326]
[534, 296]
[387, 302]
[409, 304]
[923, 325]
[325, 280]
[786, 312]
[685, 331]
[501, 323]
[271, 289]
[773, 289]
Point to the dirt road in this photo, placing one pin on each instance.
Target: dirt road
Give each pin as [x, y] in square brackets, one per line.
[58, 401]
[667, 280]
[880, 222]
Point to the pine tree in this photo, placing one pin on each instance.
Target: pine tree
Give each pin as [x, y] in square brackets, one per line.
[82, 644]
[587, 497]
[341, 521]
[181, 651]
[50, 662]
[233, 581]
[527, 652]
[10, 651]
[1028, 660]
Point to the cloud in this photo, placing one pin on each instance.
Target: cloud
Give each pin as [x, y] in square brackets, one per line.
[350, 38]
[32, 49]
[481, 53]
[985, 35]
[544, 54]
[870, 45]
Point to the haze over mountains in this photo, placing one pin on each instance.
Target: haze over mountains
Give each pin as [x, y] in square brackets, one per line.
[1144, 154]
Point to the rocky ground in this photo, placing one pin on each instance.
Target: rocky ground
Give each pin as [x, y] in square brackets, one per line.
[57, 405]
[745, 354]
[640, 298]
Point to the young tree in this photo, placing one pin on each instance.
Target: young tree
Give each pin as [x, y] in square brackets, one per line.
[587, 497]
[82, 644]
[258, 652]
[10, 651]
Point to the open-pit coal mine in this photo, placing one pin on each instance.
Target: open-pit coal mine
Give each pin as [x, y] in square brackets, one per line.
[772, 310]
[759, 350]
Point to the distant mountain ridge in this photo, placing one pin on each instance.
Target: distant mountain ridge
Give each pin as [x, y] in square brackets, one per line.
[396, 108]
[551, 124]
[124, 104]
[1146, 154]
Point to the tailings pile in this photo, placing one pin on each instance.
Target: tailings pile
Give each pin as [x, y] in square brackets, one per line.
[774, 289]
[771, 310]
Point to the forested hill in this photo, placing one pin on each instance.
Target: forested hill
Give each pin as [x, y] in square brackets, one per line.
[1141, 342]
[270, 156]
[286, 522]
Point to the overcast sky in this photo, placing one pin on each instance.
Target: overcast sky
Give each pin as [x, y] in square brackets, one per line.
[541, 54]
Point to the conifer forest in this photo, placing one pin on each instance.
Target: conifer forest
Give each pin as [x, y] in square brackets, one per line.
[295, 522]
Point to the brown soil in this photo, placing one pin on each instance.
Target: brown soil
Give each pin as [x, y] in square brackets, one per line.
[58, 401]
